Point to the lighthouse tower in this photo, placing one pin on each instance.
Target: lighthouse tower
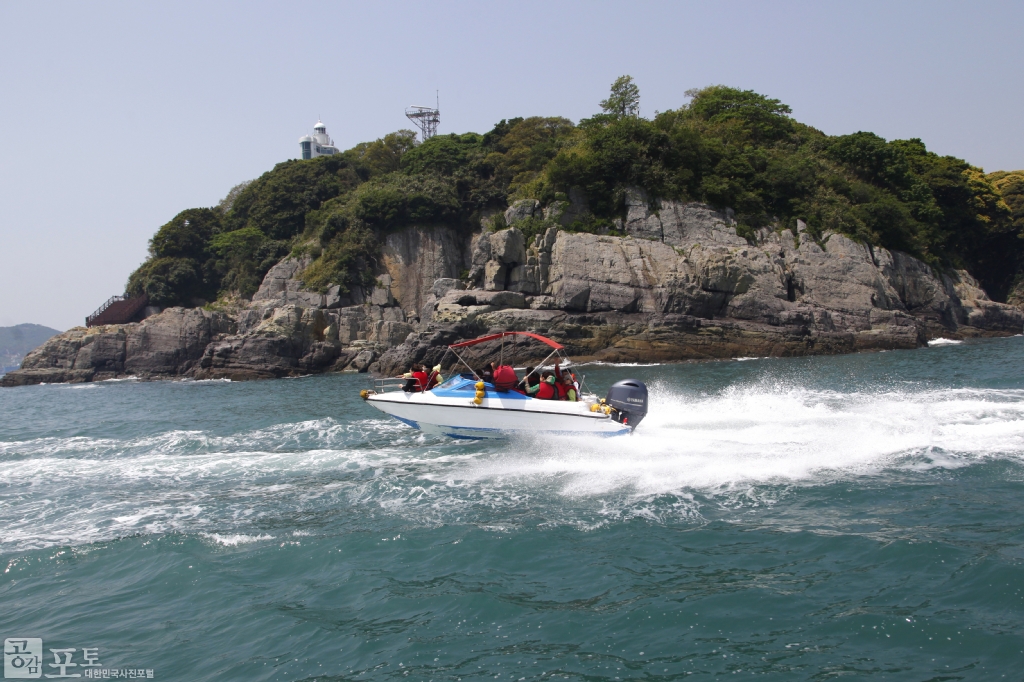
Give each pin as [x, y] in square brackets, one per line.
[317, 144]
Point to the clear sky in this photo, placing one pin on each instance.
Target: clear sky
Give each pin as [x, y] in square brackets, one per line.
[115, 116]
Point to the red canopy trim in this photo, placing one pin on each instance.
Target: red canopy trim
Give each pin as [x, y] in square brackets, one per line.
[492, 337]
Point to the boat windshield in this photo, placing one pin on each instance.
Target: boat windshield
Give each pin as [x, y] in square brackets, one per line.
[452, 381]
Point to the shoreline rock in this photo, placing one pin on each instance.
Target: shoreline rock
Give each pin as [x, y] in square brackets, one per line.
[680, 285]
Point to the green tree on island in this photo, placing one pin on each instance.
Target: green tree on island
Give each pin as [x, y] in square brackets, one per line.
[624, 99]
[730, 148]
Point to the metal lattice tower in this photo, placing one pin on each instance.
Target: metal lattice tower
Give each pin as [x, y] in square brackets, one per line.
[425, 118]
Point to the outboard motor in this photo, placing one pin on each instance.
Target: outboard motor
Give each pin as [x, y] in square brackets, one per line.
[629, 398]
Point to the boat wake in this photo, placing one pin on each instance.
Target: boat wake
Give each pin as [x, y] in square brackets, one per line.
[764, 437]
[741, 448]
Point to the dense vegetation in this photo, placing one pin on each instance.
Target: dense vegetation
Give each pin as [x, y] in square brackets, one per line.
[727, 147]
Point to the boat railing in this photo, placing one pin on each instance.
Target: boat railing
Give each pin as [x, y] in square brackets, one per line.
[388, 384]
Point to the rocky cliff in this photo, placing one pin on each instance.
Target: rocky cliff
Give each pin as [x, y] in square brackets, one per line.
[684, 285]
[680, 284]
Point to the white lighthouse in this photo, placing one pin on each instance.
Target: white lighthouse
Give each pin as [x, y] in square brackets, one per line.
[317, 144]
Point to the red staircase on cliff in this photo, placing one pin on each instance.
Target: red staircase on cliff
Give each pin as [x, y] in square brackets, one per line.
[117, 310]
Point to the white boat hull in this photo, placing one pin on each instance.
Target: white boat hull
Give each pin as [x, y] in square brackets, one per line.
[495, 417]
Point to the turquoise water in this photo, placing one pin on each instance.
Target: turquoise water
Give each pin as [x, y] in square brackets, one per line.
[790, 519]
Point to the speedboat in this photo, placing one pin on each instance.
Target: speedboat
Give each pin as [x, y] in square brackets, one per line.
[466, 406]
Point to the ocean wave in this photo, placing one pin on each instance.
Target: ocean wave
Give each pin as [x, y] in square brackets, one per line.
[327, 432]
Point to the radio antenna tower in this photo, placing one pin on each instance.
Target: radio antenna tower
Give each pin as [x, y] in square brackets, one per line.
[425, 118]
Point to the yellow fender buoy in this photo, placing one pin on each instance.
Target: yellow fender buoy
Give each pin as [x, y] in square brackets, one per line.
[594, 407]
[364, 394]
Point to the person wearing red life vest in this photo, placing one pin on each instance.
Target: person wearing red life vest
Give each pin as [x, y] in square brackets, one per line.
[567, 389]
[505, 378]
[415, 379]
[547, 389]
[566, 385]
[435, 377]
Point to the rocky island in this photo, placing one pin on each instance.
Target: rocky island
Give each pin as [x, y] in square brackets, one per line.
[722, 229]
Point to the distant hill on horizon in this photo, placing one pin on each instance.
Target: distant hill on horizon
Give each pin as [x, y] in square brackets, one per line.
[17, 341]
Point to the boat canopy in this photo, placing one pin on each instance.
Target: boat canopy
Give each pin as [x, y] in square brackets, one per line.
[493, 337]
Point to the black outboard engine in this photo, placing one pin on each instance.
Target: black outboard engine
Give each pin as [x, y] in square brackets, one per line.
[629, 398]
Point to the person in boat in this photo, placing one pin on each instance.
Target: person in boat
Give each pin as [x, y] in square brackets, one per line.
[531, 382]
[547, 389]
[568, 389]
[487, 373]
[435, 377]
[415, 379]
[505, 378]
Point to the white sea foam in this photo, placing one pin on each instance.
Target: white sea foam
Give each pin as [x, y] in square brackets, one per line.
[236, 539]
[944, 342]
[602, 363]
[747, 437]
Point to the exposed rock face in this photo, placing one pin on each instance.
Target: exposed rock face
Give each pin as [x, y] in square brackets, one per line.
[523, 209]
[508, 254]
[681, 285]
[281, 286]
[678, 223]
[285, 341]
[172, 342]
[415, 258]
[685, 285]
[166, 345]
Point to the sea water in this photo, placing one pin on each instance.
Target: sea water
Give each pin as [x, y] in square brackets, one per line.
[791, 519]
